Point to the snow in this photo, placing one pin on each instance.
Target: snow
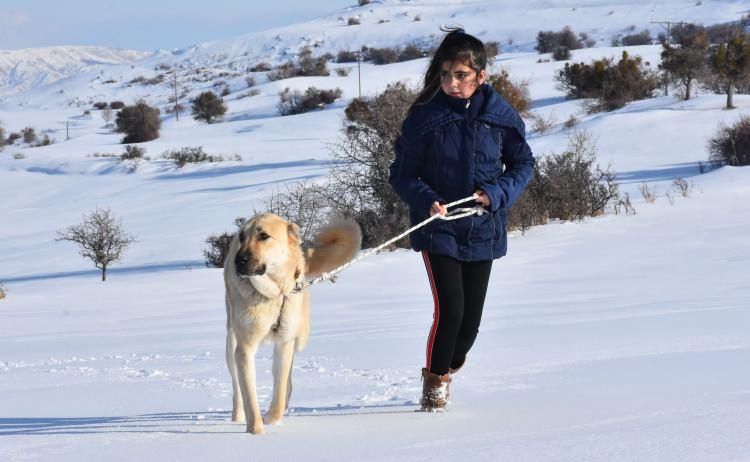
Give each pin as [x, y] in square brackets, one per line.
[617, 338]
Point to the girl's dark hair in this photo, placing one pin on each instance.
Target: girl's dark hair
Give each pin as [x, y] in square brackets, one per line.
[457, 45]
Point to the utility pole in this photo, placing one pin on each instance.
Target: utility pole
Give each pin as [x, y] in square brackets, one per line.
[359, 72]
[67, 131]
[668, 25]
[174, 84]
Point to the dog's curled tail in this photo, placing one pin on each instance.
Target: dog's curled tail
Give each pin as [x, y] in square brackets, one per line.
[335, 244]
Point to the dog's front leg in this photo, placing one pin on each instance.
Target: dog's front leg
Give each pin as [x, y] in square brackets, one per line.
[283, 353]
[245, 360]
[238, 408]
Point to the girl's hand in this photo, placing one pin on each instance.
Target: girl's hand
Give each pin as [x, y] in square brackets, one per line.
[438, 208]
[483, 198]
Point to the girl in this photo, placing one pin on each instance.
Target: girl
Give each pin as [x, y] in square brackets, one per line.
[459, 138]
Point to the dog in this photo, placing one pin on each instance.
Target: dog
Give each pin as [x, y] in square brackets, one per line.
[264, 263]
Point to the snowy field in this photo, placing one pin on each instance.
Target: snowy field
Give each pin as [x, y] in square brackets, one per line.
[617, 338]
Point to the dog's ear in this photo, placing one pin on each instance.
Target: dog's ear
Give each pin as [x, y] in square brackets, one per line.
[293, 231]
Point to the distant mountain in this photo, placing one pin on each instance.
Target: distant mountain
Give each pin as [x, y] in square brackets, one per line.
[24, 69]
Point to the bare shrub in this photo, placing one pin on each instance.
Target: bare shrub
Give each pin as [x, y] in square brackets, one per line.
[542, 126]
[565, 186]
[492, 49]
[682, 186]
[19, 156]
[100, 238]
[261, 67]
[359, 185]
[190, 155]
[383, 55]
[409, 52]
[364, 2]
[571, 122]
[353, 21]
[250, 81]
[561, 53]
[116, 105]
[286, 70]
[343, 71]
[623, 204]
[3, 291]
[514, 91]
[730, 145]
[100, 105]
[218, 245]
[132, 152]
[641, 38]
[225, 91]
[648, 193]
[107, 116]
[304, 203]
[295, 102]
[2, 137]
[346, 56]
[29, 135]
[548, 41]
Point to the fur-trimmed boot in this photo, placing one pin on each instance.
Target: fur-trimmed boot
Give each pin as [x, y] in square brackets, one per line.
[434, 391]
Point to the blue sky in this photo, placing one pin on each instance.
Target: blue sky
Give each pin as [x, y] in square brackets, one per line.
[147, 24]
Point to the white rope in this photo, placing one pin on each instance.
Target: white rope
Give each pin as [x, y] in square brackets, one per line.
[452, 215]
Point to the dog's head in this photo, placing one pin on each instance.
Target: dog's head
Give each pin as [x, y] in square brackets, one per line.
[268, 254]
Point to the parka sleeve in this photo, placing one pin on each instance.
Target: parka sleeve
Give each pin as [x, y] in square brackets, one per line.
[405, 176]
[519, 168]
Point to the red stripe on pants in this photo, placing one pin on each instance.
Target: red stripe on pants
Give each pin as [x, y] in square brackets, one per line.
[436, 315]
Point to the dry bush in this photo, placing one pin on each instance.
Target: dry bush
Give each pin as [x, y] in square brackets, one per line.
[346, 56]
[648, 194]
[305, 204]
[548, 41]
[514, 91]
[730, 145]
[250, 81]
[132, 152]
[29, 135]
[295, 102]
[343, 71]
[565, 186]
[682, 186]
[116, 105]
[359, 185]
[3, 291]
[383, 55]
[571, 122]
[542, 126]
[561, 53]
[641, 38]
[261, 67]
[353, 21]
[100, 238]
[190, 155]
[218, 246]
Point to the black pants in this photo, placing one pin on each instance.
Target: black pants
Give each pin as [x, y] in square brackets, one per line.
[458, 289]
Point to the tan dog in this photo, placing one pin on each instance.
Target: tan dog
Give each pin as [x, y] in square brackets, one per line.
[263, 265]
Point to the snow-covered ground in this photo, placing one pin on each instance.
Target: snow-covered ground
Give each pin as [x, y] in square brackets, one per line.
[618, 338]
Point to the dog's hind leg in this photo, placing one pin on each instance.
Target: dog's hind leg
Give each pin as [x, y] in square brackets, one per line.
[238, 409]
[245, 357]
[283, 354]
[289, 384]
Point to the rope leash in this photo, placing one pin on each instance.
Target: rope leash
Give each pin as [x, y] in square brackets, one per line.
[452, 215]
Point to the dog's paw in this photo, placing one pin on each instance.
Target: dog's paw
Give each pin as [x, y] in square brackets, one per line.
[271, 418]
[255, 429]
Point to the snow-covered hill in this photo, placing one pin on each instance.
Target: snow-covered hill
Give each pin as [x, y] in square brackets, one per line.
[26, 69]
[617, 338]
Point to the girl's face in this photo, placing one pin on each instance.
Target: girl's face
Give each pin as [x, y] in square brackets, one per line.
[459, 80]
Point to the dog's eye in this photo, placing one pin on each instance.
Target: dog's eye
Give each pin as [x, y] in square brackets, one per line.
[263, 236]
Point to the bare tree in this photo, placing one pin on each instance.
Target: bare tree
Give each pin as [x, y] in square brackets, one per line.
[100, 238]
[107, 115]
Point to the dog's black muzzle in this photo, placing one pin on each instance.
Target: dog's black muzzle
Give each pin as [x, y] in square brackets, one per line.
[246, 265]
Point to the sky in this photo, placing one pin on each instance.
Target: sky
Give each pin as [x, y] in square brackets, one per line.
[147, 24]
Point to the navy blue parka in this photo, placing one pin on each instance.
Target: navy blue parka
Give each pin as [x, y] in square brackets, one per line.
[449, 148]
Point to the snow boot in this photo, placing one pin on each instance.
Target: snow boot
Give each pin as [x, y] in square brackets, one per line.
[434, 391]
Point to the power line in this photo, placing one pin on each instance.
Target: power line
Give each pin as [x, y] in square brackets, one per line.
[666, 57]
